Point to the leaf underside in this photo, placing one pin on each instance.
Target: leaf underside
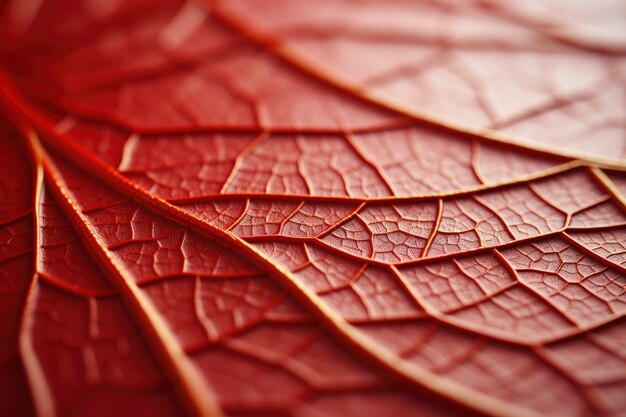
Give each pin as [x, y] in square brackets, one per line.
[302, 208]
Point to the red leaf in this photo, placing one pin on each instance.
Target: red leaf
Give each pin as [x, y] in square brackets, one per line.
[312, 208]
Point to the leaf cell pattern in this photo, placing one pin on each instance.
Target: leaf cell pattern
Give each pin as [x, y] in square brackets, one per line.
[302, 209]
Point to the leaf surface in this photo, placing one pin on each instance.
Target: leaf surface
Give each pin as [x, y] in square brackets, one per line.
[312, 209]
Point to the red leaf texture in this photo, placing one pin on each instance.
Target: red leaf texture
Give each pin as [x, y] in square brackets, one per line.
[313, 208]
